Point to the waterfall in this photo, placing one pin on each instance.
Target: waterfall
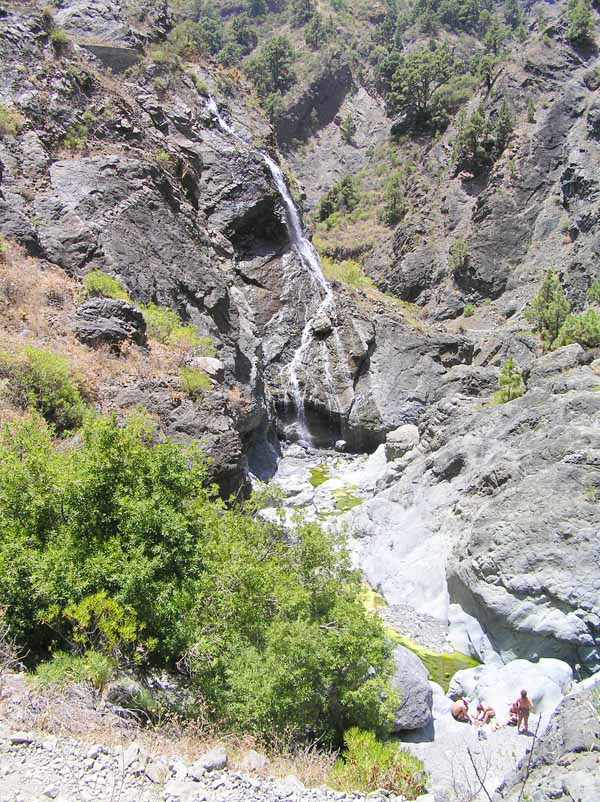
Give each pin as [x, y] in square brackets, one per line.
[309, 258]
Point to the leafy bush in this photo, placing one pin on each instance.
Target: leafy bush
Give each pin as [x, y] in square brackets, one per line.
[416, 80]
[368, 765]
[583, 329]
[395, 202]
[593, 294]
[459, 254]
[580, 22]
[344, 196]
[97, 283]
[271, 69]
[165, 325]
[194, 382]
[301, 12]
[76, 137]
[348, 128]
[67, 669]
[469, 310]
[3, 248]
[11, 121]
[40, 380]
[269, 624]
[348, 272]
[60, 40]
[481, 140]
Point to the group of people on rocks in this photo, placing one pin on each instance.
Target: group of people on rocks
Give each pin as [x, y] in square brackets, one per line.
[518, 713]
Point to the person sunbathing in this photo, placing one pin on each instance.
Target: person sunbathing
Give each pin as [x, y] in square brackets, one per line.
[485, 713]
[513, 714]
[460, 711]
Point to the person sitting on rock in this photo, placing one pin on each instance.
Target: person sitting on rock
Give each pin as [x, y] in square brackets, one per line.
[525, 705]
[485, 713]
[460, 711]
[513, 714]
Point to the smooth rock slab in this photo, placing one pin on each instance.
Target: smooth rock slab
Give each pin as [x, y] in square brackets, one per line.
[499, 685]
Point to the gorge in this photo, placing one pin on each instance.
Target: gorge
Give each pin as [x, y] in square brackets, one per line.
[243, 220]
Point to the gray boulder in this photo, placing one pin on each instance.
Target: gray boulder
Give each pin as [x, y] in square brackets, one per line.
[401, 440]
[123, 692]
[215, 760]
[412, 680]
[108, 321]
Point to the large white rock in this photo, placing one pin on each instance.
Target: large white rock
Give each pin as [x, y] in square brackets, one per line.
[546, 682]
[400, 556]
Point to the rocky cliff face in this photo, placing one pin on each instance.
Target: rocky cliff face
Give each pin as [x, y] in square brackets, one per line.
[134, 176]
[120, 163]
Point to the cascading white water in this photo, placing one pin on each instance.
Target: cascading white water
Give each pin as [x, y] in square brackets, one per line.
[309, 259]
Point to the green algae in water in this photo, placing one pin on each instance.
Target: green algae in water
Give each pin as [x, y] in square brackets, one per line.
[346, 500]
[442, 666]
[318, 475]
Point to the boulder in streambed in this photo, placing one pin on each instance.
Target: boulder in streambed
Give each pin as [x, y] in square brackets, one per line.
[400, 441]
[411, 679]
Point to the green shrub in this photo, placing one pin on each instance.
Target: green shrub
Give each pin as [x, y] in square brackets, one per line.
[344, 196]
[60, 40]
[583, 329]
[165, 325]
[368, 765]
[348, 128]
[199, 83]
[76, 137]
[64, 670]
[469, 310]
[510, 381]
[100, 624]
[459, 254]
[11, 121]
[3, 248]
[271, 69]
[395, 201]
[348, 272]
[194, 382]
[549, 309]
[165, 56]
[593, 294]
[580, 22]
[40, 380]
[163, 157]
[97, 283]
[270, 627]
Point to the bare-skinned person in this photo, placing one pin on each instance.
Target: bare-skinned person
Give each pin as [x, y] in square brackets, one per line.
[485, 713]
[525, 706]
[460, 711]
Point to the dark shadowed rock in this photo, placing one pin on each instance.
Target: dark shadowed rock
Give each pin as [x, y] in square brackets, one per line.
[108, 321]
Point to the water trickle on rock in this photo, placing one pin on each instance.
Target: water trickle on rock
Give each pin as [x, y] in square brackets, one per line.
[309, 259]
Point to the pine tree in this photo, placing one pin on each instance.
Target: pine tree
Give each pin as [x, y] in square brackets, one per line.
[510, 381]
[549, 308]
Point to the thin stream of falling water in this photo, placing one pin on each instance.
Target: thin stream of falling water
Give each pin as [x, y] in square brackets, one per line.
[309, 259]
